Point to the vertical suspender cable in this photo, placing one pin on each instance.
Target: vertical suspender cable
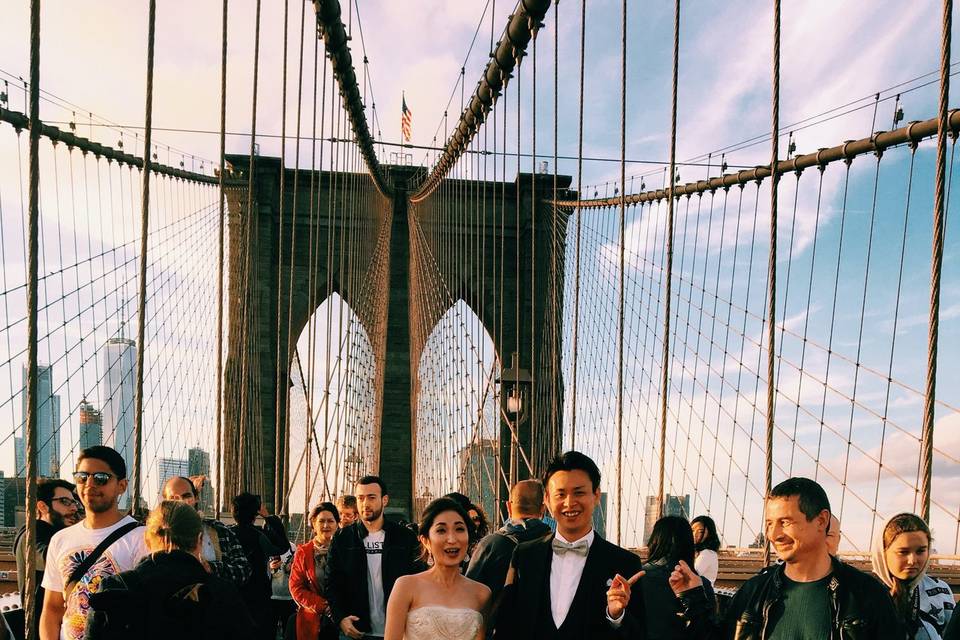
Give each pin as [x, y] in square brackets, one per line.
[281, 391]
[514, 436]
[936, 267]
[534, 369]
[556, 434]
[281, 430]
[665, 380]
[30, 593]
[620, 284]
[223, 148]
[772, 265]
[577, 212]
[535, 394]
[241, 454]
[144, 226]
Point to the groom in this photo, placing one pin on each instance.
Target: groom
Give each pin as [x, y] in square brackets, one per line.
[571, 584]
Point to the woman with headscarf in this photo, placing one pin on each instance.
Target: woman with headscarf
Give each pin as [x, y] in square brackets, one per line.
[901, 555]
[306, 576]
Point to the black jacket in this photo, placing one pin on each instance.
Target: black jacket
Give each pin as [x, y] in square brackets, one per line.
[668, 623]
[491, 558]
[167, 595]
[345, 575]
[525, 610]
[258, 544]
[860, 607]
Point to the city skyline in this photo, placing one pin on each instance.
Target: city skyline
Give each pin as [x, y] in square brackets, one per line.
[716, 109]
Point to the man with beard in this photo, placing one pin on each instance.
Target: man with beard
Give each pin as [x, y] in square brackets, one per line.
[56, 509]
[80, 557]
[364, 561]
[219, 548]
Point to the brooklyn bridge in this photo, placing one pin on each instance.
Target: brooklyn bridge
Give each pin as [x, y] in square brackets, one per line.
[704, 252]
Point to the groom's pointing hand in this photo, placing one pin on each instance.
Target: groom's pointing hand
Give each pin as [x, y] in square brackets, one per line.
[618, 595]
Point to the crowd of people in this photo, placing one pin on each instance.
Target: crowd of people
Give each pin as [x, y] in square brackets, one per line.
[545, 573]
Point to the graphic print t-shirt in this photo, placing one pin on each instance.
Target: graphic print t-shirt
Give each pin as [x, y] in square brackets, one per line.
[68, 548]
[373, 544]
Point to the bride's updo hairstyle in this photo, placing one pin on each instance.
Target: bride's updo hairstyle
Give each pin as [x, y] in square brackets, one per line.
[175, 522]
[435, 508]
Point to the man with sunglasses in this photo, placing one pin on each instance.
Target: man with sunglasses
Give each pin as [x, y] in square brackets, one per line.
[56, 509]
[76, 569]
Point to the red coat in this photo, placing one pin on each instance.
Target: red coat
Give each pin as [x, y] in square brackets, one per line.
[305, 589]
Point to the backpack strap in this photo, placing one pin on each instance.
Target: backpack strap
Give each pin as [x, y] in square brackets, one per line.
[94, 555]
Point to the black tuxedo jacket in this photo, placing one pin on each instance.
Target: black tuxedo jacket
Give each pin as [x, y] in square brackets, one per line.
[525, 610]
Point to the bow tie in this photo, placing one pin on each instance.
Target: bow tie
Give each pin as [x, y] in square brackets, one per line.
[580, 547]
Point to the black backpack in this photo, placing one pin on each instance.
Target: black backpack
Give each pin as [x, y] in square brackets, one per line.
[132, 611]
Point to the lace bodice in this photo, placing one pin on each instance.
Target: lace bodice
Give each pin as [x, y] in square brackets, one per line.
[442, 623]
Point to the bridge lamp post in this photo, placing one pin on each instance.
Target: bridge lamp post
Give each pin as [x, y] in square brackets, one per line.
[515, 385]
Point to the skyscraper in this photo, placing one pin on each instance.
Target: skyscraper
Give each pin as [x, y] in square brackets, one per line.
[91, 426]
[170, 467]
[672, 506]
[198, 461]
[19, 456]
[478, 475]
[48, 426]
[117, 389]
[600, 515]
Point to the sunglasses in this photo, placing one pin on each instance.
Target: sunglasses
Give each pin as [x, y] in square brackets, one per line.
[100, 478]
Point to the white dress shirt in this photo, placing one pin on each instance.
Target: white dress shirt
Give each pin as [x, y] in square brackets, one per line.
[565, 572]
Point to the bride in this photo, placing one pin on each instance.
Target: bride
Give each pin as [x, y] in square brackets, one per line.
[439, 603]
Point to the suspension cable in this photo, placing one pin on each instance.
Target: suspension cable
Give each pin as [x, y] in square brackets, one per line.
[772, 266]
[144, 229]
[936, 266]
[33, 227]
[668, 277]
[218, 500]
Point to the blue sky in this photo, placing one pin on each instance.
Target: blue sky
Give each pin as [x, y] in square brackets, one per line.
[833, 54]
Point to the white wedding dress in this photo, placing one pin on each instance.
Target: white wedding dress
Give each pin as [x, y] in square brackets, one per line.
[434, 622]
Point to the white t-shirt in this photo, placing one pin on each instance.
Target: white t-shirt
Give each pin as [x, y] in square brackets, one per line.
[68, 548]
[707, 565]
[373, 544]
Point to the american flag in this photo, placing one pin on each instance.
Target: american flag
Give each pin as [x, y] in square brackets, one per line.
[406, 119]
